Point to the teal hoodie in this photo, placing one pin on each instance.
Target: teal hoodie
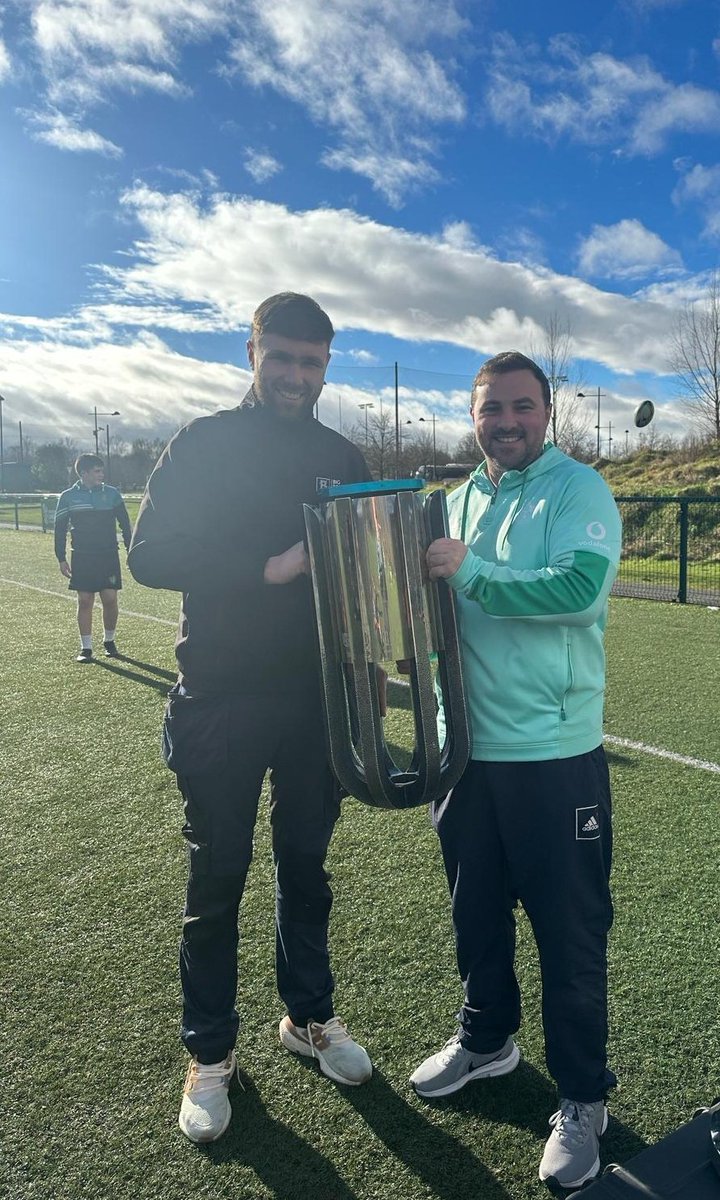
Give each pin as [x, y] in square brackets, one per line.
[532, 604]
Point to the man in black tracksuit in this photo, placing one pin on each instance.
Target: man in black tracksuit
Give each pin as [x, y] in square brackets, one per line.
[222, 522]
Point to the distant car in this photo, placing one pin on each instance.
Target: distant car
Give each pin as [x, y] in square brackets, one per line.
[446, 471]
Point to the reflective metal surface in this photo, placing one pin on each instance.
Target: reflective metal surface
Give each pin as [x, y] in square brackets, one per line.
[374, 605]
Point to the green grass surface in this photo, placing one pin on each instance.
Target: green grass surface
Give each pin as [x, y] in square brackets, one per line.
[94, 871]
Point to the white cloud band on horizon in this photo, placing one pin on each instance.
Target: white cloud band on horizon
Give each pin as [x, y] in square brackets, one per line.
[202, 266]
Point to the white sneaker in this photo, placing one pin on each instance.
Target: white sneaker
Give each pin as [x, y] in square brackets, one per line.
[339, 1057]
[205, 1110]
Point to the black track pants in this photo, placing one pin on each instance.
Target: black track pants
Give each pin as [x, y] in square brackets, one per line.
[220, 748]
[540, 833]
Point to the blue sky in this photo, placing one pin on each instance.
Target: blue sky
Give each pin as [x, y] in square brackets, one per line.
[444, 176]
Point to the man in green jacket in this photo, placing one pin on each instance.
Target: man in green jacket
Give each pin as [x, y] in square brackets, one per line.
[534, 551]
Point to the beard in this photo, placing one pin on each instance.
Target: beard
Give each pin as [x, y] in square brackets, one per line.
[294, 403]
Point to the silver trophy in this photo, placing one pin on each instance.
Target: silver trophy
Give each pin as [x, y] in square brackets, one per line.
[375, 604]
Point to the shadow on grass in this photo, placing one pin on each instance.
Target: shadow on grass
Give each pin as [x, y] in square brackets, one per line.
[398, 695]
[161, 671]
[285, 1162]
[525, 1099]
[620, 760]
[160, 685]
[446, 1167]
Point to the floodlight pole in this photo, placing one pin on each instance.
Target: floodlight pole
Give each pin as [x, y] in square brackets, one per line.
[434, 446]
[97, 414]
[366, 407]
[583, 396]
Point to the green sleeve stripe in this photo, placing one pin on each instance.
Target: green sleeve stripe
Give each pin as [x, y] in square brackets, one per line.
[550, 591]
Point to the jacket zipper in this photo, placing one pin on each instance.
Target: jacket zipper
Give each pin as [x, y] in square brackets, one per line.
[569, 681]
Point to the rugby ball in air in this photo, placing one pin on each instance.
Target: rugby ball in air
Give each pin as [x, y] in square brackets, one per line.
[644, 413]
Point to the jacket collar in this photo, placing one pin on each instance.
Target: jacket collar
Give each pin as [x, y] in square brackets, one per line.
[512, 480]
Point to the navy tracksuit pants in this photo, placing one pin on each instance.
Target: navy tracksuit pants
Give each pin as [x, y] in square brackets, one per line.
[540, 833]
[220, 748]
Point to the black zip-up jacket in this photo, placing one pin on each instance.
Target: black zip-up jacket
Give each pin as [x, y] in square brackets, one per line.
[226, 495]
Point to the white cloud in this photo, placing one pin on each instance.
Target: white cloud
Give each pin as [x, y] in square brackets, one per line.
[593, 98]
[701, 185]
[95, 82]
[260, 165]
[377, 74]
[82, 32]
[682, 109]
[53, 387]
[88, 49]
[626, 250]
[56, 129]
[202, 267]
[364, 70]
[5, 64]
[220, 258]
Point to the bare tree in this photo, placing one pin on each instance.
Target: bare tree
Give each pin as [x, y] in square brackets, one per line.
[569, 423]
[695, 357]
[379, 448]
[467, 449]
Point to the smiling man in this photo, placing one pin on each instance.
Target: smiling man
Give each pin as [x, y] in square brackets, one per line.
[222, 522]
[535, 549]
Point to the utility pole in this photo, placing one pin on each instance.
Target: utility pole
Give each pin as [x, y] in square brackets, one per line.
[554, 381]
[397, 427]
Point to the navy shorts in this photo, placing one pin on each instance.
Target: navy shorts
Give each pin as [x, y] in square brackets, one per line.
[94, 572]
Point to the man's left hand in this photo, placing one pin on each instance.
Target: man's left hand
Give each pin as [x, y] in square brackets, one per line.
[444, 557]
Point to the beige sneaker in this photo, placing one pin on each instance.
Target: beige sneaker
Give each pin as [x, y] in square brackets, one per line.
[205, 1110]
[339, 1057]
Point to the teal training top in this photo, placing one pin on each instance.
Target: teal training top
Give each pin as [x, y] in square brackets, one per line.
[91, 514]
[532, 605]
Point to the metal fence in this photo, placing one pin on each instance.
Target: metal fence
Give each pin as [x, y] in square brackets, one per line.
[23, 512]
[671, 544]
[671, 548]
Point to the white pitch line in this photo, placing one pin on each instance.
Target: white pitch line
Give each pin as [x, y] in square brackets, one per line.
[699, 763]
[657, 751]
[125, 612]
[642, 747]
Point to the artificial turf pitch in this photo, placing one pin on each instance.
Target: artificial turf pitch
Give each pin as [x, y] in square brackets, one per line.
[93, 870]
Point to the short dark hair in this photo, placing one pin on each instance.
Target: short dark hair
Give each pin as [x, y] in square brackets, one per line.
[513, 360]
[292, 315]
[87, 462]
